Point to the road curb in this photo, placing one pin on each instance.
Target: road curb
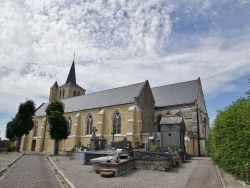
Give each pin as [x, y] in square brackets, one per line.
[11, 163]
[61, 174]
[223, 182]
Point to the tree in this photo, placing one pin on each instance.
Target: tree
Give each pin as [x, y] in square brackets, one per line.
[22, 123]
[58, 126]
[229, 139]
[9, 132]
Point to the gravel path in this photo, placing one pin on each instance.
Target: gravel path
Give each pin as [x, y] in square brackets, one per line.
[84, 176]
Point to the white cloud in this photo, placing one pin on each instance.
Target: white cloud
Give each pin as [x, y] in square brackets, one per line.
[120, 42]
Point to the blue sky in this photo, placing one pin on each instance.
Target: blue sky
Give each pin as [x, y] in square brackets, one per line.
[121, 42]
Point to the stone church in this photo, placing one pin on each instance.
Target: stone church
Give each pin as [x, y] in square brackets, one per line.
[133, 111]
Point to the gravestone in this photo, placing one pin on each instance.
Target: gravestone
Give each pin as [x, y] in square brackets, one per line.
[121, 145]
[94, 140]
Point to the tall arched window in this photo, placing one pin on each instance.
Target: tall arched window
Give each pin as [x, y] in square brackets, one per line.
[63, 92]
[89, 125]
[69, 125]
[74, 93]
[35, 128]
[78, 93]
[60, 94]
[158, 120]
[117, 123]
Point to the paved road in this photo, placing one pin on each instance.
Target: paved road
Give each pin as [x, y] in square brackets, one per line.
[32, 170]
[204, 175]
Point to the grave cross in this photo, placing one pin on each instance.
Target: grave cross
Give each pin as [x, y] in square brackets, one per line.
[94, 130]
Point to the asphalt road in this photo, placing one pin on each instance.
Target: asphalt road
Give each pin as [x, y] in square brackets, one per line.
[31, 171]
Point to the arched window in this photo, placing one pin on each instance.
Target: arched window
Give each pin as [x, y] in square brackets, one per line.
[69, 125]
[117, 123]
[78, 93]
[60, 94]
[158, 120]
[89, 125]
[63, 93]
[178, 114]
[35, 128]
[74, 93]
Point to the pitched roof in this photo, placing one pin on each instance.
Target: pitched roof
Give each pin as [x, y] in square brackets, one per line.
[55, 85]
[175, 94]
[72, 75]
[111, 97]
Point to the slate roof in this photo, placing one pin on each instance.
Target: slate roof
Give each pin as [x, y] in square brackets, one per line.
[175, 94]
[55, 85]
[72, 75]
[111, 97]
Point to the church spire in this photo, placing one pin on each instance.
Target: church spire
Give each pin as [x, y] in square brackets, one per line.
[72, 75]
[55, 85]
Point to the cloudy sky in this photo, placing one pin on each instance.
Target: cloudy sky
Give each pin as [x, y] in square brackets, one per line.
[121, 42]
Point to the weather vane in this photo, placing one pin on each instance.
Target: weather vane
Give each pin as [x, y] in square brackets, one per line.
[74, 55]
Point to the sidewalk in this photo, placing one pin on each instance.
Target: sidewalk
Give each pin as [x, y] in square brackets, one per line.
[7, 159]
[197, 172]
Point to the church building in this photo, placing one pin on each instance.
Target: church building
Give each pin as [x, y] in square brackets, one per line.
[133, 112]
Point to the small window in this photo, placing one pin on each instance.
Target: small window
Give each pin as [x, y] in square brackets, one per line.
[158, 120]
[35, 128]
[60, 94]
[117, 123]
[63, 93]
[69, 125]
[178, 114]
[89, 125]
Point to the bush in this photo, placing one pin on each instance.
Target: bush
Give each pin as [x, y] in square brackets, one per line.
[11, 148]
[229, 139]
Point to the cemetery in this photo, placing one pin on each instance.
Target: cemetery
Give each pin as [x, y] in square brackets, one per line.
[159, 153]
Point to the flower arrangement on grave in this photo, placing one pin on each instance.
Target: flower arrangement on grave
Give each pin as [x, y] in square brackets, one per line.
[153, 147]
[176, 161]
[169, 150]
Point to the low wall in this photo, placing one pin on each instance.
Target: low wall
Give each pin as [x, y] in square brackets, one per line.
[157, 164]
[140, 154]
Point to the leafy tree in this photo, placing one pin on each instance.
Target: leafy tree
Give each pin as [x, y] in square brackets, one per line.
[229, 139]
[58, 126]
[9, 132]
[22, 123]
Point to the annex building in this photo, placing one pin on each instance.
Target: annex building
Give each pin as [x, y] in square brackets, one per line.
[132, 111]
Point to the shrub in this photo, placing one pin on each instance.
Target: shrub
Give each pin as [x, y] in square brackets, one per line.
[11, 148]
[229, 139]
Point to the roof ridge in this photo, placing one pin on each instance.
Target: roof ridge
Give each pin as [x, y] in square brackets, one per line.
[175, 83]
[89, 94]
[114, 88]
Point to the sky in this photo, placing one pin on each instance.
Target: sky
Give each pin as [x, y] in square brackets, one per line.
[122, 42]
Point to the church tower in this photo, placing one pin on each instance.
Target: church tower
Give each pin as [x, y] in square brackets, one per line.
[69, 89]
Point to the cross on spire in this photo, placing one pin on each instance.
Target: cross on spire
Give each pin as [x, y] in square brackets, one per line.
[74, 55]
